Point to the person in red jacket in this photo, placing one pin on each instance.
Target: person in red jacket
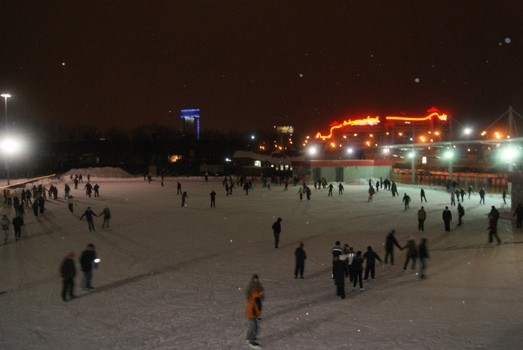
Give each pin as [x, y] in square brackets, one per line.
[253, 309]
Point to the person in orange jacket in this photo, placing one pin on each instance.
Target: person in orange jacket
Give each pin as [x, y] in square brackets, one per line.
[253, 309]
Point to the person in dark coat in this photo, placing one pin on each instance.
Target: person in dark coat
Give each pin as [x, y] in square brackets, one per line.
[18, 221]
[390, 242]
[184, 198]
[68, 273]
[422, 216]
[340, 272]
[106, 213]
[370, 257]
[461, 213]
[87, 262]
[518, 213]
[357, 270]
[300, 256]
[337, 250]
[89, 213]
[423, 255]
[412, 254]
[35, 207]
[493, 231]
[276, 229]
[422, 195]
[213, 199]
[494, 216]
[447, 218]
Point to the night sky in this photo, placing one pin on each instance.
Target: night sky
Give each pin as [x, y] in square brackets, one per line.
[250, 65]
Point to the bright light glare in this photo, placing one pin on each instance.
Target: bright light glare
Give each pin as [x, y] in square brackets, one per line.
[412, 154]
[467, 131]
[386, 150]
[11, 146]
[312, 151]
[508, 154]
[448, 154]
[350, 150]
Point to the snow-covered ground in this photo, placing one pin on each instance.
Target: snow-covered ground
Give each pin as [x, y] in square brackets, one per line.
[174, 278]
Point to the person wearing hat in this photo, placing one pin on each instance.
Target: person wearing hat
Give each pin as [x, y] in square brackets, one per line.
[390, 242]
[68, 273]
[300, 255]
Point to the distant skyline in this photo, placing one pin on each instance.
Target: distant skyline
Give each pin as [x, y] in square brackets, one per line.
[250, 66]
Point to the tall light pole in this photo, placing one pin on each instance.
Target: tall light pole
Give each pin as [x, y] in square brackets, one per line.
[6, 96]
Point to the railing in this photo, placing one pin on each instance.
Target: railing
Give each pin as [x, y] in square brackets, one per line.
[490, 182]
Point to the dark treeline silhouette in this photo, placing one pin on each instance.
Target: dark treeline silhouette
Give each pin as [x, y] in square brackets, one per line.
[57, 149]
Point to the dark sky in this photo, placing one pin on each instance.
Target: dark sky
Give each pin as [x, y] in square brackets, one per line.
[250, 65]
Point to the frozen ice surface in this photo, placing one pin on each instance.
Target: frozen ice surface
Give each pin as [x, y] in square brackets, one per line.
[173, 277]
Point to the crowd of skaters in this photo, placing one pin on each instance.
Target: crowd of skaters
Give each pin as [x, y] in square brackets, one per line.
[355, 265]
[34, 198]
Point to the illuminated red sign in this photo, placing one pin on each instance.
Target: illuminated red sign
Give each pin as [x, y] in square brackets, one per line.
[357, 122]
[371, 121]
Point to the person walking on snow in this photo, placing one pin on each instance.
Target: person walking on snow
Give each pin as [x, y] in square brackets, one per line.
[390, 242]
[253, 310]
[213, 199]
[422, 195]
[337, 250]
[370, 257]
[422, 216]
[300, 256]
[406, 201]
[447, 218]
[184, 199]
[357, 270]
[276, 229]
[89, 213]
[461, 213]
[18, 222]
[88, 260]
[339, 273]
[411, 255]
[423, 254]
[107, 216]
[68, 273]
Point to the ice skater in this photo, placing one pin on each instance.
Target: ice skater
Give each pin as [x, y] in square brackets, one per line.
[276, 229]
[447, 218]
[89, 213]
[68, 273]
[370, 258]
[390, 242]
[340, 272]
[107, 216]
[300, 256]
[411, 255]
[253, 310]
[423, 254]
[88, 260]
[422, 216]
[213, 199]
[184, 199]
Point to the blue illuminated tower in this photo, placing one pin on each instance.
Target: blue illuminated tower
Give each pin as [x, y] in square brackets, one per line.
[191, 121]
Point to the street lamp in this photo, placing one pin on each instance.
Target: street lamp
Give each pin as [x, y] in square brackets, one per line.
[6, 96]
